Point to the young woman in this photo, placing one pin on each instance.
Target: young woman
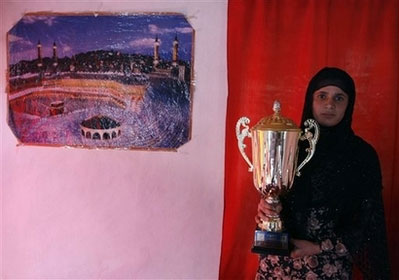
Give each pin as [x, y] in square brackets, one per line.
[334, 211]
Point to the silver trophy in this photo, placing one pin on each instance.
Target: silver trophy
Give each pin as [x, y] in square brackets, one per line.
[274, 154]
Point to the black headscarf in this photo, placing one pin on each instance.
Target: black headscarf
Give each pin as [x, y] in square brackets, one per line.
[334, 147]
[331, 76]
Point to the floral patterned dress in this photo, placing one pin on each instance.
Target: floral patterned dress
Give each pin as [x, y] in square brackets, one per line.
[333, 262]
[337, 203]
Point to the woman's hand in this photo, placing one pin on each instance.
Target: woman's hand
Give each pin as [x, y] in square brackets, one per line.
[304, 248]
[266, 210]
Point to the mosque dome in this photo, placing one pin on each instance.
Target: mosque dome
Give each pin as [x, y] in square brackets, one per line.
[100, 128]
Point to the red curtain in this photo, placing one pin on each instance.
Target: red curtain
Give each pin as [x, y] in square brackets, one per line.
[274, 48]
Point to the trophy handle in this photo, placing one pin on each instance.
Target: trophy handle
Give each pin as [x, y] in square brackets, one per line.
[307, 135]
[241, 134]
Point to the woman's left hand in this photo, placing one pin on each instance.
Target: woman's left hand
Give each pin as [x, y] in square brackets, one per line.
[304, 248]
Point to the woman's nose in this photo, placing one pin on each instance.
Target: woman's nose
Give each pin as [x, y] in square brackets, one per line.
[330, 103]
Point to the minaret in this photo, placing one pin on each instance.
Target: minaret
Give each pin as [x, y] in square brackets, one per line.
[39, 54]
[72, 66]
[174, 51]
[55, 58]
[156, 51]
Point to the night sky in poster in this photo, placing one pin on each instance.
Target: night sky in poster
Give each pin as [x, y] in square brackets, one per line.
[77, 34]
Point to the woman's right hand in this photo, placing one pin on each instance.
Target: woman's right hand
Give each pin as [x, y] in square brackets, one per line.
[266, 210]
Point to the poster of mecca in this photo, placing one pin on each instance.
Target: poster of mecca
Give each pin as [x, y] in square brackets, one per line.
[118, 81]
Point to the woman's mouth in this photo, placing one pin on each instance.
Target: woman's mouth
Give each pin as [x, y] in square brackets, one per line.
[328, 115]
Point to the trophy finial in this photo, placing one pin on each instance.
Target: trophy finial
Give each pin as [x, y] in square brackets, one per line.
[276, 107]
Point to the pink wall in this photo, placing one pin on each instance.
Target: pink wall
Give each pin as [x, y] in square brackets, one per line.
[75, 213]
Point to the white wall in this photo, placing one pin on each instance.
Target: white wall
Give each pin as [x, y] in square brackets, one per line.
[76, 213]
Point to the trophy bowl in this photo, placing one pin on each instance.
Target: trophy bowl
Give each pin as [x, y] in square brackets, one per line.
[274, 142]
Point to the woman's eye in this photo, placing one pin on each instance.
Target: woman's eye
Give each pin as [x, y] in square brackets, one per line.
[339, 98]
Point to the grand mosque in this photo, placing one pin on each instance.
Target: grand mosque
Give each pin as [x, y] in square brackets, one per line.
[50, 87]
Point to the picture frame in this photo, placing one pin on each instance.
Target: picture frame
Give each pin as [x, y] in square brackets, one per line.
[101, 80]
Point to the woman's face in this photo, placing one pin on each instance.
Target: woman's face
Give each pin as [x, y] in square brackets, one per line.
[329, 105]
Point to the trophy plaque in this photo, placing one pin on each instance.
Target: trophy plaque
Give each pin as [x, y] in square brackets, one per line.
[274, 142]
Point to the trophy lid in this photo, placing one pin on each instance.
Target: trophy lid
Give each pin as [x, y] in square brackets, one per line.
[276, 122]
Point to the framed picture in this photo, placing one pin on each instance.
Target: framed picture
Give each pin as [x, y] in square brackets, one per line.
[119, 81]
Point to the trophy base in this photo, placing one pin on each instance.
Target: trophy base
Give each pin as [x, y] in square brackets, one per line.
[271, 243]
